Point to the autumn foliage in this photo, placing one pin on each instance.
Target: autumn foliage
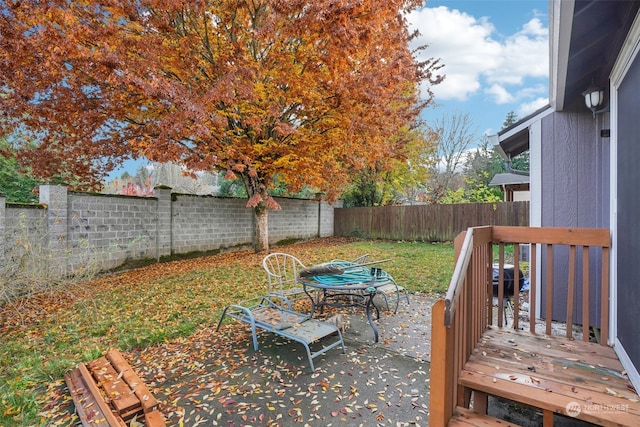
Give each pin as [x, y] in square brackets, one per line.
[303, 91]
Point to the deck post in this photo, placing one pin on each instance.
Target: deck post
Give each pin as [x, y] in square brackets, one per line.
[441, 376]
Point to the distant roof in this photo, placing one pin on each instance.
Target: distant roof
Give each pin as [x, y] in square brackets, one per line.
[510, 179]
[514, 140]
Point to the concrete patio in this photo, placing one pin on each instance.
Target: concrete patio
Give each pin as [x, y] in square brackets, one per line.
[210, 382]
[217, 379]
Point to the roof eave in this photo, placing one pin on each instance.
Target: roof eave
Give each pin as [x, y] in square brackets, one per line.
[561, 22]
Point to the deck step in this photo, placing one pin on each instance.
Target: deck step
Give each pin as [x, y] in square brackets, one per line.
[571, 378]
[467, 418]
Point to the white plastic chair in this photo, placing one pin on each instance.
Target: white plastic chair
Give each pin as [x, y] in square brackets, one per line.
[392, 292]
[282, 274]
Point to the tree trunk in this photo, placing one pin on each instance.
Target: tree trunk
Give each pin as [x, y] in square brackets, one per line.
[261, 228]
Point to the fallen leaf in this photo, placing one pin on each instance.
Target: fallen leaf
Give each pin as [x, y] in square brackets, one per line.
[611, 392]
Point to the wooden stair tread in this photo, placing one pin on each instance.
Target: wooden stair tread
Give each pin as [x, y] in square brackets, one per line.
[466, 418]
[553, 375]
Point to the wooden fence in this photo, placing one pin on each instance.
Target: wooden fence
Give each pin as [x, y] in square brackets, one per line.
[428, 223]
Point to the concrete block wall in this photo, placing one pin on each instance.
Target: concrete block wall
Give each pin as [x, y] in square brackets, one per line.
[300, 219]
[112, 229]
[163, 216]
[17, 223]
[201, 223]
[56, 215]
[23, 220]
[326, 218]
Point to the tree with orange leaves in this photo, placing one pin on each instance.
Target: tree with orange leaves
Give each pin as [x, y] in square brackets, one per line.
[305, 92]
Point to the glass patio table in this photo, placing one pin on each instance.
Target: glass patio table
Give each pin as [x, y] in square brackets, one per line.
[344, 284]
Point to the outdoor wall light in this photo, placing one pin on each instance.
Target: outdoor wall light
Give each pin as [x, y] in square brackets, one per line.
[593, 97]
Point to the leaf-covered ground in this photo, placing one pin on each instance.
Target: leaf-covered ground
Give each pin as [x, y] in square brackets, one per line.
[163, 318]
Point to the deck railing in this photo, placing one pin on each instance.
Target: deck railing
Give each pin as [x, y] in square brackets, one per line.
[460, 319]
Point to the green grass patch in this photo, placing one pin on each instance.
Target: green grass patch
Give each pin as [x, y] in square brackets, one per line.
[163, 302]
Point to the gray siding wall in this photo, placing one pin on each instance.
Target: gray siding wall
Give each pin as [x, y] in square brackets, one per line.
[575, 169]
[628, 213]
[575, 193]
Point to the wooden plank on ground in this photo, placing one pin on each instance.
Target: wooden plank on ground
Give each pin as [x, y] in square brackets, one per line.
[81, 379]
[122, 398]
[106, 393]
[154, 419]
[87, 407]
[149, 403]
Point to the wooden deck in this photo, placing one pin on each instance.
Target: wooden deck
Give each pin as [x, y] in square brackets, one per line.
[472, 358]
[571, 378]
[466, 418]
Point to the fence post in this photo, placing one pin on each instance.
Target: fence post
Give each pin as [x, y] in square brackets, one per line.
[164, 240]
[54, 196]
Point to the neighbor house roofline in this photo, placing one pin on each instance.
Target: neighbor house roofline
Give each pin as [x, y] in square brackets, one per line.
[514, 140]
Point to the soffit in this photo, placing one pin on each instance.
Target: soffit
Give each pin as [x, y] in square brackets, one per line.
[587, 44]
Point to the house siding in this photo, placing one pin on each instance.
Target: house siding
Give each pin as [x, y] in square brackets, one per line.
[628, 212]
[575, 193]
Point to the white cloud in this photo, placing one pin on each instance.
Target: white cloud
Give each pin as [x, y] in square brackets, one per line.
[529, 107]
[525, 54]
[529, 92]
[462, 42]
[474, 54]
[499, 93]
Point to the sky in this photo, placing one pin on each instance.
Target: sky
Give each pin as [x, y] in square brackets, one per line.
[495, 56]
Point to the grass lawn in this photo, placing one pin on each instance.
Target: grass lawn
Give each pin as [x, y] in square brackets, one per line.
[45, 337]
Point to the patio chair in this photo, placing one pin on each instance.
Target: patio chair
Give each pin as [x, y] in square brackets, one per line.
[393, 293]
[264, 313]
[282, 274]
